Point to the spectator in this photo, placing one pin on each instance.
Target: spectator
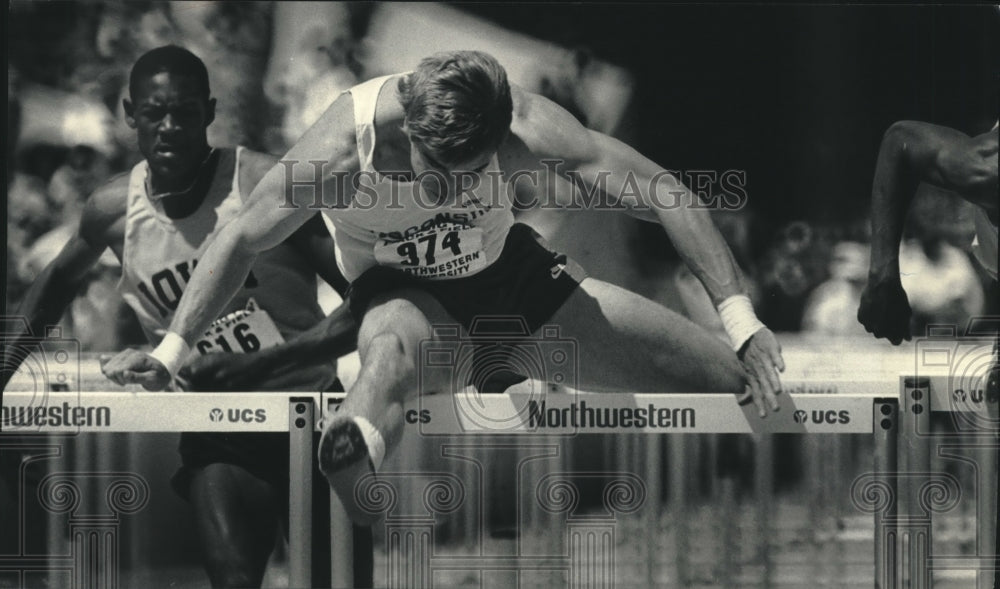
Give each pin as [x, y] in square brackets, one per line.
[831, 306]
[791, 268]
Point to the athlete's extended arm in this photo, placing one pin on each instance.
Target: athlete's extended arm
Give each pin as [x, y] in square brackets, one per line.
[60, 281]
[639, 184]
[277, 367]
[285, 366]
[266, 220]
[914, 152]
[305, 358]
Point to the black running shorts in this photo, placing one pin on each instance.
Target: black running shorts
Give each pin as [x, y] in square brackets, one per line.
[528, 280]
[516, 295]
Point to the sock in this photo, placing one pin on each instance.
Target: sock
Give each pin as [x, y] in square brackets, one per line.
[373, 439]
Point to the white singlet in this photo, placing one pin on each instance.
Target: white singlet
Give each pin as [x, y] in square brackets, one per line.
[160, 254]
[393, 224]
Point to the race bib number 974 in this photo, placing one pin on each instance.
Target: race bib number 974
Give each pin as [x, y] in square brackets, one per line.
[247, 330]
[439, 252]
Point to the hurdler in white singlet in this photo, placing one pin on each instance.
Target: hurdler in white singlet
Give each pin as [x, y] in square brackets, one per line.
[160, 254]
[390, 224]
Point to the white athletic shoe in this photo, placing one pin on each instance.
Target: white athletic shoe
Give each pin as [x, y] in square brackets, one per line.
[347, 465]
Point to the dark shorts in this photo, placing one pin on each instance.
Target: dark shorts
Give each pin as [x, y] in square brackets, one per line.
[263, 454]
[516, 295]
[528, 280]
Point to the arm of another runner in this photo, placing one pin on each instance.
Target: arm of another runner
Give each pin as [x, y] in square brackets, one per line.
[285, 366]
[60, 281]
[280, 366]
[277, 207]
[912, 152]
[335, 336]
[312, 240]
[546, 132]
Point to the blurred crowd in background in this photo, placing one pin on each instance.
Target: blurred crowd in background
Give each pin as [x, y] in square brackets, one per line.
[275, 67]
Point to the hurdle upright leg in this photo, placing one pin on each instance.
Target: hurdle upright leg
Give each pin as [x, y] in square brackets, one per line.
[56, 524]
[679, 505]
[886, 466]
[764, 496]
[341, 544]
[726, 529]
[300, 459]
[917, 538]
[653, 478]
[986, 512]
[987, 457]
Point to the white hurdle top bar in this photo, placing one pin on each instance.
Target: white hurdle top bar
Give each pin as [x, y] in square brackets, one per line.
[557, 413]
[531, 409]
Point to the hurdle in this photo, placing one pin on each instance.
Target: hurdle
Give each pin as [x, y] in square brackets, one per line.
[902, 542]
[564, 416]
[93, 560]
[901, 498]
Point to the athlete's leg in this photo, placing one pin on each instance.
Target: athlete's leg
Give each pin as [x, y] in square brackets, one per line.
[237, 523]
[627, 342]
[389, 346]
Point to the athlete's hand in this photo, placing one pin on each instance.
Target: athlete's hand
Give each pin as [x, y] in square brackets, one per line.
[761, 358]
[223, 372]
[133, 366]
[257, 371]
[885, 310]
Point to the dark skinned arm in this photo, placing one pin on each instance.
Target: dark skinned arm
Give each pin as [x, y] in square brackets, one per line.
[913, 152]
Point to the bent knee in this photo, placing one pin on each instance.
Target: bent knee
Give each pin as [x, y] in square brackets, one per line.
[397, 316]
[391, 350]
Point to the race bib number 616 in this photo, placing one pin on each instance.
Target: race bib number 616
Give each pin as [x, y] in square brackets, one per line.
[247, 330]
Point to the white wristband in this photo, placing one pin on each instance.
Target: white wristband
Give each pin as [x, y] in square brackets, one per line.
[739, 319]
[172, 352]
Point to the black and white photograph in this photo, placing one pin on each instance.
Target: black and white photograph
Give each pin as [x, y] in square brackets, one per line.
[487, 295]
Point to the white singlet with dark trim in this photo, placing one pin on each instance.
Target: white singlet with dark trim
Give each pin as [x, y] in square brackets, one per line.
[160, 255]
[389, 223]
[984, 245]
